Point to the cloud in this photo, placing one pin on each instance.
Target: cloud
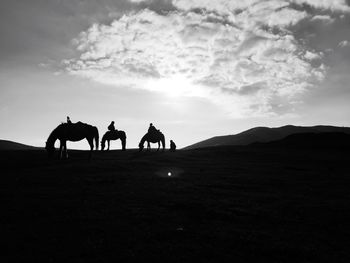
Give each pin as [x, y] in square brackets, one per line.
[312, 56]
[333, 5]
[241, 55]
[344, 43]
[227, 6]
[323, 18]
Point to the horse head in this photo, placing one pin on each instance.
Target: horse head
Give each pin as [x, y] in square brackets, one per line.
[50, 148]
[141, 146]
[102, 145]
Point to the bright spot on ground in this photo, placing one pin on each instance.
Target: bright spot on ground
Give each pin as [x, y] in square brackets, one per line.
[170, 172]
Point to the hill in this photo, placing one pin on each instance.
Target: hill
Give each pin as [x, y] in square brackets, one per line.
[264, 134]
[323, 140]
[12, 146]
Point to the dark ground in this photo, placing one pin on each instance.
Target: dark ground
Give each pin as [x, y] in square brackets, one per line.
[229, 204]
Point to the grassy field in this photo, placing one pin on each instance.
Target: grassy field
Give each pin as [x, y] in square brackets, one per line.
[237, 204]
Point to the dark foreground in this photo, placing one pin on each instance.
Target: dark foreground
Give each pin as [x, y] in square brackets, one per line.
[234, 204]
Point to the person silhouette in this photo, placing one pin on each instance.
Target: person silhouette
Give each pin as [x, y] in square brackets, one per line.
[172, 146]
[151, 128]
[68, 120]
[111, 126]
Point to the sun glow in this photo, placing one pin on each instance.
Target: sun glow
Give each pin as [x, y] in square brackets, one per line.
[175, 86]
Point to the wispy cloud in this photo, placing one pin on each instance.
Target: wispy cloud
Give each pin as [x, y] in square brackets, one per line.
[323, 18]
[344, 43]
[333, 5]
[239, 54]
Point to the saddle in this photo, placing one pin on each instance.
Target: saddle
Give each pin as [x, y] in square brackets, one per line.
[112, 131]
[154, 132]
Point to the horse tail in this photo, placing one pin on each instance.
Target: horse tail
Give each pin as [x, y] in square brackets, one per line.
[96, 135]
[103, 138]
[123, 139]
[163, 141]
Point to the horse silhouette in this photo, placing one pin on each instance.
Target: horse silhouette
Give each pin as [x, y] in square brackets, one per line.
[113, 135]
[152, 137]
[71, 132]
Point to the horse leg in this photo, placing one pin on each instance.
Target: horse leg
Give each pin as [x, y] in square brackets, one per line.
[148, 146]
[61, 150]
[65, 150]
[108, 144]
[158, 146]
[91, 143]
[123, 145]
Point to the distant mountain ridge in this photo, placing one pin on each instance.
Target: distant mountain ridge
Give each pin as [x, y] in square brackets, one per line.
[264, 134]
[10, 145]
[322, 140]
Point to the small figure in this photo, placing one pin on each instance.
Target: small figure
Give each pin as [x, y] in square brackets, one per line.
[172, 146]
[68, 120]
[111, 126]
[151, 128]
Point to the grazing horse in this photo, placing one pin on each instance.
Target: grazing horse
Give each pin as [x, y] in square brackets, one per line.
[71, 132]
[154, 137]
[113, 135]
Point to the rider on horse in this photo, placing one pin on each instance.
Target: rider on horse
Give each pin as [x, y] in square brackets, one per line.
[152, 136]
[111, 126]
[152, 129]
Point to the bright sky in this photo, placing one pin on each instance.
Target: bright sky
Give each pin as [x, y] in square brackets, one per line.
[194, 68]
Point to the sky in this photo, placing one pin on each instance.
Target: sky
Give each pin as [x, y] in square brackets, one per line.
[194, 68]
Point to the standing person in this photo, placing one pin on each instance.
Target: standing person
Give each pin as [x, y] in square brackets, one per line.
[111, 126]
[68, 120]
[172, 146]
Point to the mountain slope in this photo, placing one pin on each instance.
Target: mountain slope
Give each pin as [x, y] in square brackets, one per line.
[264, 134]
[9, 145]
[324, 140]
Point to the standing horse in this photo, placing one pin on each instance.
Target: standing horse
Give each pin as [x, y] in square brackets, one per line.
[154, 137]
[113, 135]
[71, 132]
